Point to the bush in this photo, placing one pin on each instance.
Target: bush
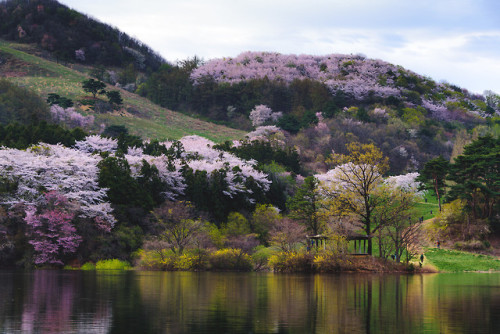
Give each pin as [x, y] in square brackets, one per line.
[88, 266]
[327, 261]
[164, 259]
[112, 264]
[292, 262]
[194, 259]
[261, 257]
[231, 259]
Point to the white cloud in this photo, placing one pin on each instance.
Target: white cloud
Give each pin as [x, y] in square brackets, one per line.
[454, 40]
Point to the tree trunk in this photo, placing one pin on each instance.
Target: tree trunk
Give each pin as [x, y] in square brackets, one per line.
[437, 193]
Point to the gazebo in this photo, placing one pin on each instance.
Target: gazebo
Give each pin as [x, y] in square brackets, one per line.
[359, 239]
[316, 240]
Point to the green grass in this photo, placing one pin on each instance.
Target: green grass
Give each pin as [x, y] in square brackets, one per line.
[427, 209]
[149, 121]
[457, 261]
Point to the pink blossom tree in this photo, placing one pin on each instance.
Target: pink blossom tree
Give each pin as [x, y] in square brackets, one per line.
[262, 114]
[70, 117]
[50, 230]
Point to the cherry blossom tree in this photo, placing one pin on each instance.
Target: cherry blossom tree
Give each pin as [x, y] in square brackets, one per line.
[70, 117]
[96, 143]
[44, 167]
[262, 114]
[50, 230]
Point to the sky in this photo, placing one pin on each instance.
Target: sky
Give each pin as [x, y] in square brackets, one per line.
[457, 41]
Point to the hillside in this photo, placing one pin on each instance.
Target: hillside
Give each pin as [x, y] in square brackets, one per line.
[325, 102]
[72, 36]
[139, 115]
[321, 102]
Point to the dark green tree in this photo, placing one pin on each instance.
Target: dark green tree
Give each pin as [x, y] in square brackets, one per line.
[305, 204]
[433, 176]
[476, 177]
[115, 98]
[94, 87]
[124, 190]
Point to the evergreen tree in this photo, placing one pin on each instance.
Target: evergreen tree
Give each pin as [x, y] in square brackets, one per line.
[476, 177]
[433, 176]
[304, 206]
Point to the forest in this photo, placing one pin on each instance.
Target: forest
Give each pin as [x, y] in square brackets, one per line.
[336, 147]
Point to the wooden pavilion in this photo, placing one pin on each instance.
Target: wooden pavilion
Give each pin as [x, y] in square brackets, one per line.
[359, 240]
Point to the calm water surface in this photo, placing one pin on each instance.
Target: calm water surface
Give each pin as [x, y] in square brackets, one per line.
[183, 302]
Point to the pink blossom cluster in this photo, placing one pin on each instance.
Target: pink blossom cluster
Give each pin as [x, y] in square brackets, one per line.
[355, 75]
[338, 180]
[261, 114]
[201, 155]
[352, 74]
[70, 117]
[264, 132]
[173, 179]
[50, 231]
[96, 143]
[73, 172]
[406, 182]
[68, 171]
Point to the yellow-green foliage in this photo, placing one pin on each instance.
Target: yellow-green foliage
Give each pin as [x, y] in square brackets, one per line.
[195, 259]
[292, 262]
[414, 116]
[216, 235]
[261, 257]
[164, 259]
[237, 224]
[88, 266]
[328, 261]
[112, 264]
[231, 259]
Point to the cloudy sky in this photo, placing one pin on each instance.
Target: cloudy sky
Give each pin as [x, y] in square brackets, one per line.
[457, 41]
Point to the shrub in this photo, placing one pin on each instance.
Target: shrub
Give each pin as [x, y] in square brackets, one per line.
[112, 264]
[292, 262]
[261, 257]
[88, 266]
[194, 259]
[163, 259]
[327, 261]
[230, 259]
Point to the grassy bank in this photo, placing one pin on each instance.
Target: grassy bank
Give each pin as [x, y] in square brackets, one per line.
[456, 261]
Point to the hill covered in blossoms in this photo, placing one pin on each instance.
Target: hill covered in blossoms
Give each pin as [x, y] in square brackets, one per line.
[356, 77]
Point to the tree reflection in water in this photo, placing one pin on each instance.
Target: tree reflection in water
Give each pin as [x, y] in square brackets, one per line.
[184, 302]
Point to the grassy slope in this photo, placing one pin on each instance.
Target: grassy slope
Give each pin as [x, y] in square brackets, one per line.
[455, 261]
[427, 209]
[447, 260]
[150, 121]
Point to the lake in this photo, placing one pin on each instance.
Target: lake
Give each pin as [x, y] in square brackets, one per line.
[47, 301]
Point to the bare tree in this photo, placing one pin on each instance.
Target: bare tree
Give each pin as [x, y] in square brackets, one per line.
[178, 223]
[286, 234]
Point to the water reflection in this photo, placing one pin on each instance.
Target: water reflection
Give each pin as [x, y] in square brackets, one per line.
[181, 302]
